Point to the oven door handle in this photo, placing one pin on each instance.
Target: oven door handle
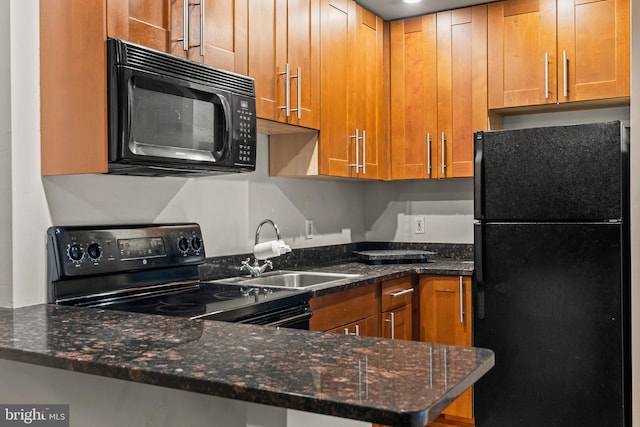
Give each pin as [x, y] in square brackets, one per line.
[282, 322]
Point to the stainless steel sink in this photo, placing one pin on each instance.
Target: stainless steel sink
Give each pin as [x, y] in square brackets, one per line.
[289, 279]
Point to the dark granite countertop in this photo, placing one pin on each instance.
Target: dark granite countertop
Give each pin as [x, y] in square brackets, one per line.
[374, 273]
[401, 383]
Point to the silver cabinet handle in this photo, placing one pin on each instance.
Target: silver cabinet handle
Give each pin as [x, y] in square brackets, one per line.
[299, 78]
[546, 75]
[564, 68]
[461, 301]
[392, 320]
[356, 333]
[428, 153]
[201, 27]
[402, 292]
[287, 90]
[364, 152]
[444, 157]
[357, 138]
[185, 25]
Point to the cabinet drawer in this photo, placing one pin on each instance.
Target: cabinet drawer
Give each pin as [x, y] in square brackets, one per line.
[397, 292]
[341, 308]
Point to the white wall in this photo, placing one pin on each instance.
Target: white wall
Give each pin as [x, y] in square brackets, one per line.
[391, 207]
[5, 156]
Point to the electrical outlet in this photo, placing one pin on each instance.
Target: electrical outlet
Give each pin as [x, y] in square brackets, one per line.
[308, 228]
[418, 224]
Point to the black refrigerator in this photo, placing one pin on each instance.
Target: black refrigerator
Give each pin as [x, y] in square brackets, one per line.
[552, 276]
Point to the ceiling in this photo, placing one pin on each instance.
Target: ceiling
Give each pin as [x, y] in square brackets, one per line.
[396, 9]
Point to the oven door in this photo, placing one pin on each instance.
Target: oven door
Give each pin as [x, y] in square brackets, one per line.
[161, 120]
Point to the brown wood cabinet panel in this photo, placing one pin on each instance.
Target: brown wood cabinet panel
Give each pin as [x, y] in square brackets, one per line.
[399, 320]
[225, 34]
[367, 327]
[522, 33]
[144, 22]
[286, 32]
[445, 318]
[397, 292]
[336, 145]
[438, 92]
[462, 87]
[414, 103]
[73, 64]
[593, 35]
[341, 308]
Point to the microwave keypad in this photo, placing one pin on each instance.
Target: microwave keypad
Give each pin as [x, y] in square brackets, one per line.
[244, 154]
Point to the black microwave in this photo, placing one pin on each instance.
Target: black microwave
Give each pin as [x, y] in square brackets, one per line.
[169, 116]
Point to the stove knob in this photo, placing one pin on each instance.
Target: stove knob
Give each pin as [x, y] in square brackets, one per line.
[95, 251]
[75, 252]
[196, 243]
[183, 244]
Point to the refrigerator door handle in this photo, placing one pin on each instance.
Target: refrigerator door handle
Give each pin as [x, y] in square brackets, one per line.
[478, 272]
[477, 176]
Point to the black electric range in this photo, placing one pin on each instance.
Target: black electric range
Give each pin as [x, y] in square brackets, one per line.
[154, 269]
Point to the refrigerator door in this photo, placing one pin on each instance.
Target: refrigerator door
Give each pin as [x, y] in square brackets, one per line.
[561, 173]
[551, 308]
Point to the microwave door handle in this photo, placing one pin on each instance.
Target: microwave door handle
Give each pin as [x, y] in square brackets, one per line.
[227, 118]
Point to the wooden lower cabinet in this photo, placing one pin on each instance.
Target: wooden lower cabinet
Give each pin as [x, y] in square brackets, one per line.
[353, 309]
[445, 318]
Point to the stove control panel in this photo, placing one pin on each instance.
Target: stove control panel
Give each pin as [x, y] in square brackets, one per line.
[82, 251]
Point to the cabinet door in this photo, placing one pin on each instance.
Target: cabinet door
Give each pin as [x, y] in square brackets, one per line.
[593, 49]
[268, 56]
[365, 93]
[445, 318]
[303, 50]
[73, 126]
[337, 21]
[225, 34]
[414, 103]
[335, 310]
[462, 88]
[522, 53]
[145, 22]
[397, 323]
[367, 327]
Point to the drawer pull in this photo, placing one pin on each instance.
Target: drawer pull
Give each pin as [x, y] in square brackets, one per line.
[402, 292]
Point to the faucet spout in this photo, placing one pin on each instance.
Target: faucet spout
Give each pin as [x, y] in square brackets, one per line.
[256, 269]
[273, 224]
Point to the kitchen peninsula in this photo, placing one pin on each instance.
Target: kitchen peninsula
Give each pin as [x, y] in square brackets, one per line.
[399, 383]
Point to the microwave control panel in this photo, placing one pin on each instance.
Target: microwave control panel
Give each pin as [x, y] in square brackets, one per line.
[245, 112]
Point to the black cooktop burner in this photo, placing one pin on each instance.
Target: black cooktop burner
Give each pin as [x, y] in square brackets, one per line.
[211, 301]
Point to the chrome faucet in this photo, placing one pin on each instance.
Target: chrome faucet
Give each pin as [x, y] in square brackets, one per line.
[256, 269]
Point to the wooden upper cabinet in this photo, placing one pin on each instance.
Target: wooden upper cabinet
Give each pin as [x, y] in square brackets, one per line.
[73, 125]
[286, 33]
[522, 53]
[414, 102]
[547, 52]
[438, 92]
[225, 34]
[352, 142]
[215, 30]
[462, 87]
[144, 22]
[594, 37]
